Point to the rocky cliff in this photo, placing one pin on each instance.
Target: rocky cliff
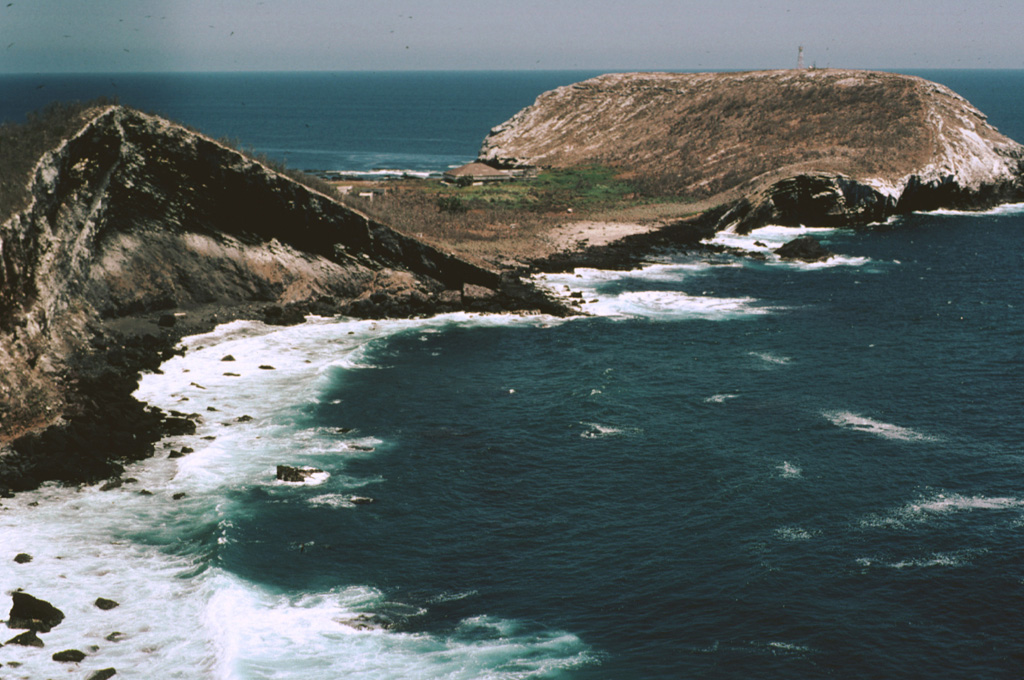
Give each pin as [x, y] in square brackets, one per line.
[824, 147]
[133, 221]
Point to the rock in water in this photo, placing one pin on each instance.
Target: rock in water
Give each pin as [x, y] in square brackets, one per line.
[29, 639]
[32, 613]
[22, 558]
[69, 656]
[103, 674]
[105, 604]
[805, 248]
[287, 473]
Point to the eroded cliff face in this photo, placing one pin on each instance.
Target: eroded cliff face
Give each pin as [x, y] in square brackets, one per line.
[800, 146]
[135, 217]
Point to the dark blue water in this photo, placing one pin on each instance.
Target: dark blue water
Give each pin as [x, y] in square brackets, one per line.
[853, 509]
[424, 122]
[822, 479]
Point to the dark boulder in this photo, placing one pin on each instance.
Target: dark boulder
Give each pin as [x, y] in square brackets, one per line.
[112, 484]
[287, 473]
[105, 604]
[103, 674]
[22, 558]
[289, 315]
[805, 248]
[69, 656]
[29, 639]
[368, 622]
[32, 613]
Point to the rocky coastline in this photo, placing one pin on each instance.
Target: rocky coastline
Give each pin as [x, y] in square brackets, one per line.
[140, 232]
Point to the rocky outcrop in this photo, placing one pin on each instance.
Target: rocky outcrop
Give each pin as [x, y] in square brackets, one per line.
[821, 147]
[296, 475]
[32, 613]
[139, 231]
[804, 248]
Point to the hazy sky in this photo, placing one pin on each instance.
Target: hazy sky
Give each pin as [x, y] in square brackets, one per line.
[230, 35]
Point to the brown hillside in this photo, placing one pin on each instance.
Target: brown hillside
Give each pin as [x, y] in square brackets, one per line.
[702, 134]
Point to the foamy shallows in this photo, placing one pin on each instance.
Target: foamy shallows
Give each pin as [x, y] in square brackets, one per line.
[612, 293]
[183, 616]
[859, 423]
[766, 240]
[949, 560]
[1005, 209]
[942, 505]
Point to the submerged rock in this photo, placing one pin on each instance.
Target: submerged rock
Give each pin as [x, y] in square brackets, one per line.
[368, 622]
[32, 613]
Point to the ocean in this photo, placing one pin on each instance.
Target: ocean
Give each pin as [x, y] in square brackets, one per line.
[730, 469]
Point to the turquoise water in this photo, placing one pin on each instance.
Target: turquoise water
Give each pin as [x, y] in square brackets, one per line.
[732, 469]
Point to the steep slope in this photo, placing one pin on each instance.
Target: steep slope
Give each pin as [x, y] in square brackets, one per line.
[799, 146]
[134, 217]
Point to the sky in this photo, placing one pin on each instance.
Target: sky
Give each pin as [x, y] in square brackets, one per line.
[55, 36]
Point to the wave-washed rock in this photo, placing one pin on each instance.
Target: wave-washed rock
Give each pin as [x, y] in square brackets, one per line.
[817, 147]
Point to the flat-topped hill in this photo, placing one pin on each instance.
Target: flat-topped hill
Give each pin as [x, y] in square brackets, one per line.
[905, 142]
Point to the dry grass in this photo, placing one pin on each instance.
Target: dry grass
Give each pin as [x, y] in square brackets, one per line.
[698, 135]
[514, 222]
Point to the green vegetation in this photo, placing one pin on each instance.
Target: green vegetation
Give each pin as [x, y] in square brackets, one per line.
[512, 220]
[556, 190]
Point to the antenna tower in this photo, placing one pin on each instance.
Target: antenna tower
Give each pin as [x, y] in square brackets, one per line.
[800, 58]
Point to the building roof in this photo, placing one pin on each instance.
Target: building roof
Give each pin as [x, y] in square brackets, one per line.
[476, 170]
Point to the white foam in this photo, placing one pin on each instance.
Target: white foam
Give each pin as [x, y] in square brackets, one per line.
[960, 558]
[790, 471]
[452, 596]
[766, 240]
[597, 431]
[720, 398]
[591, 287]
[180, 615]
[1004, 209]
[852, 421]
[941, 505]
[772, 236]
[789, 647]
[793, 534]
[771, 358]
[313, 479]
